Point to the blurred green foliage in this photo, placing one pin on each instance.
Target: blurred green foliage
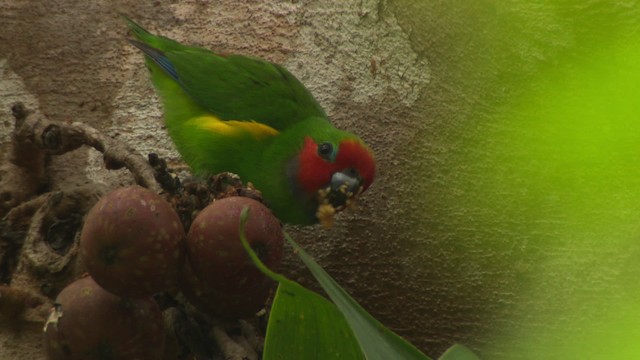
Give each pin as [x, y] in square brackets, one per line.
[537, 180]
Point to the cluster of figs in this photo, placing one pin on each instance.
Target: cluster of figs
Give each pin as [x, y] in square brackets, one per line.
[134, 245]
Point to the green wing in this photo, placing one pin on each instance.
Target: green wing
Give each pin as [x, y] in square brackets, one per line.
[232, 87]
[242, 88]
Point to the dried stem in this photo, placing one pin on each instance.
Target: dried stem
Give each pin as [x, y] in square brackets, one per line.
[231, 349]
[22, 170]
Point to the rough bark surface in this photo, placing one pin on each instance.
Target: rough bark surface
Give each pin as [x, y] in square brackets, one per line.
[70, 60]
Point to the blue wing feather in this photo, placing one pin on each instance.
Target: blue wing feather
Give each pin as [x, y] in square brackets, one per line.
[159, 58]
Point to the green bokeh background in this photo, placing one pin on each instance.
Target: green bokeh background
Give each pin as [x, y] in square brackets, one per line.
[530, 171]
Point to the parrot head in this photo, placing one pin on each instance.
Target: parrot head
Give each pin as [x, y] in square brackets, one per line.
[334, 173]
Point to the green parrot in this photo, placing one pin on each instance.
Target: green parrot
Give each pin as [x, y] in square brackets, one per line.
[255, 119]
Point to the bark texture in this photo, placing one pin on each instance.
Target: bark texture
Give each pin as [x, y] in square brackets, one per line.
[70, 61]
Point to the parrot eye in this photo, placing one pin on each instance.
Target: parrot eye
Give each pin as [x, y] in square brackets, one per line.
[325, 151]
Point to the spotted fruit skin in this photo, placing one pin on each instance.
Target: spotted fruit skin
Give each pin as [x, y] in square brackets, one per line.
[132, 243]
[218, 275]
[88, 322]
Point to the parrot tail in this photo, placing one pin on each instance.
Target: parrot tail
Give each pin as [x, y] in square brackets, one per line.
[138, 31]
[153, 47]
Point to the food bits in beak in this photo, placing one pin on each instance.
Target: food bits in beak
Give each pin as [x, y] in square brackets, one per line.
[333, 201]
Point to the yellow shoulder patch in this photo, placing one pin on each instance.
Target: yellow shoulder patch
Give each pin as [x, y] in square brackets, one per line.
[233, 127]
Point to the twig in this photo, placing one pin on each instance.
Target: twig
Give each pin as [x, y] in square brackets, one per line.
[117, 155]
[231, 349]
[249, 332]
[22, 167]
[35, 251]
[22, 171]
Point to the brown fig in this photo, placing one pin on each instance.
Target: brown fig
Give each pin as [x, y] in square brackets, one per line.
[88, 322]
[219, 277]
[132, 242]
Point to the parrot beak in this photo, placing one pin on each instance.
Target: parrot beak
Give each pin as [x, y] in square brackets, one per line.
[339, 194]
[344, 186]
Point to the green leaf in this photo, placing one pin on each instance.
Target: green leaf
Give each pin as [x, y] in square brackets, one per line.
[302, 324]
[458, 352]
[305, 325]
[377, 341]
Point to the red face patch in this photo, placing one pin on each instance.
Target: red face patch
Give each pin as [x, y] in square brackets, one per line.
[315, 172]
